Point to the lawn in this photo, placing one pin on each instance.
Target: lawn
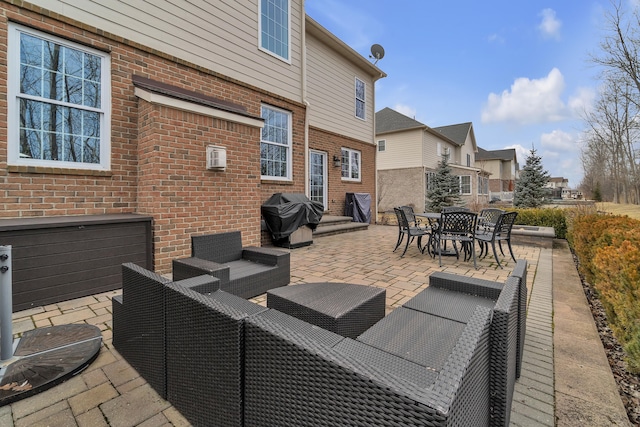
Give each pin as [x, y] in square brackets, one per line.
[633, 211]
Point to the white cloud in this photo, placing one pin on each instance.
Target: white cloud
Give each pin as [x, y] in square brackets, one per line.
[582, 101]
[528, 101]
[406, 110]
[550, 25]
[560, 142]
[560, 153]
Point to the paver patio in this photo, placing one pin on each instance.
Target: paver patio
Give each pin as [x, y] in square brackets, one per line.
[111, 393]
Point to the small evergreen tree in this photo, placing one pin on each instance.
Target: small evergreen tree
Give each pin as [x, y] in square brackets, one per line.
[529, 192]
[444, 190]
[597, 193]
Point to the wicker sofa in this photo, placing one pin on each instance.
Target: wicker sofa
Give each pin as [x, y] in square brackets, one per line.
[243, 271]
[229, 362]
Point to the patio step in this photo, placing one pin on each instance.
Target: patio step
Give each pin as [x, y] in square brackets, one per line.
[330, 225]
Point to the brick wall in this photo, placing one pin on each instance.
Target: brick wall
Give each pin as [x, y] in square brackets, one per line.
[157, 153]
[332, 143]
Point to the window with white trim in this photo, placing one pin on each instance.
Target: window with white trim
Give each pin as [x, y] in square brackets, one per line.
[465, 184]
[59, 96]
[275, 22]
[361, 90]
[382, 145]
[275, 144]
[350, 164]
[483, 185]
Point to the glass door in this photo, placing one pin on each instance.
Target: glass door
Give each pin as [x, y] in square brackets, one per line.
[318, 177]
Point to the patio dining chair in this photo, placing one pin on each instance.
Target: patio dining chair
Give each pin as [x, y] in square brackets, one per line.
[488, 217]
[501, 232]
[405, 228]
[459, 227]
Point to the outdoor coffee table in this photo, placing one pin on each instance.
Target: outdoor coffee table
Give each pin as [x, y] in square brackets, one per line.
[343, 308]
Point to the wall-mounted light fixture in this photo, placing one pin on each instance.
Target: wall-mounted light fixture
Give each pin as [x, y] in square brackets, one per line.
[337, 162]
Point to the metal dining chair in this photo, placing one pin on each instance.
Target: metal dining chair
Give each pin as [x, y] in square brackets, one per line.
[410, 231]
[500, 232]
[459, 227]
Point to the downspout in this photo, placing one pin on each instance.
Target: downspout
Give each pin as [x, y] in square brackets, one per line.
[303, 72]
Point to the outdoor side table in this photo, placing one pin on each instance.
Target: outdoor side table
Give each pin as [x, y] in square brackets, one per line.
[343, 308]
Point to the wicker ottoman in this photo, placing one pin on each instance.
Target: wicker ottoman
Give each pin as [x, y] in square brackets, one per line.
[343, 308]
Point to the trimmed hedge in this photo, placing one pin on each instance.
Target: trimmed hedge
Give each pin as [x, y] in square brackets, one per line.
[544, 217]
[608, 248]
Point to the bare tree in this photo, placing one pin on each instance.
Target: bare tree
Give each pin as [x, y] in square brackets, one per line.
[610, 154]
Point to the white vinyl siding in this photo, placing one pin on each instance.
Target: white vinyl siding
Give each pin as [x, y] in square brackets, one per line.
[219, 36]
[330, 91]
[58, 102]
[403, 150]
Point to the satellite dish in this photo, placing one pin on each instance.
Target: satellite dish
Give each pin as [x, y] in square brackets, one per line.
[377, 52]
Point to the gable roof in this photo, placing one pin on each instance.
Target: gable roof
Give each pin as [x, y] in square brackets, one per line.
[388, 120]
[457, 133]
[505, 155]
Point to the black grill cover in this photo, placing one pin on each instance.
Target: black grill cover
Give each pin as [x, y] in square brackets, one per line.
[358, 207]
[284, 213]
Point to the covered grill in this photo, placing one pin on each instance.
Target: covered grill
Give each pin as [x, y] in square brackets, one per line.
[290, 218]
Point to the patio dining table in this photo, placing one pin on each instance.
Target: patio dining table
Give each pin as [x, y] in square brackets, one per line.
[434, 218]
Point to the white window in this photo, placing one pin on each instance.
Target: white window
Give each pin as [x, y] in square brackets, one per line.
[483, 185]
[361, 90]
[382, 145]
[58, 102]
[350, 165]
[275, 144]
[468, 160]
[465, 184]
[275, 22]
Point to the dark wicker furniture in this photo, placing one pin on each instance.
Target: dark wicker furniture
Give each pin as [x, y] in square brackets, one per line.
[455, 297]
[343, 308]
[446, 358]
[245, 272]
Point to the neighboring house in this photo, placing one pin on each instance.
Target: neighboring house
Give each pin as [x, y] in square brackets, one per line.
[409, 153]
[502, 165]
[111, 106]
[559, 188]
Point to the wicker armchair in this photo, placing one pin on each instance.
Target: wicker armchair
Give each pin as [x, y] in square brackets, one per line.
[139, 332]
[245, 272]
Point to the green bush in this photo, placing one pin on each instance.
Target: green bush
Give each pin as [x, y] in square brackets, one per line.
[544, 217]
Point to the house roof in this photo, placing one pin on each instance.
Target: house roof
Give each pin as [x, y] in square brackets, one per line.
[388, 120]
[457, 133]
[506, 154]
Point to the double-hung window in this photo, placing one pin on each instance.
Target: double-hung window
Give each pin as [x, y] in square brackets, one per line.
[465, 184]
[58, 102]
[275, 22]
[350, 165]
[275, 144]
[361, 91]
[382, 145]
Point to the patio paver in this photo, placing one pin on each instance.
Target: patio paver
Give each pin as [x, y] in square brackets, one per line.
[110, 393]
